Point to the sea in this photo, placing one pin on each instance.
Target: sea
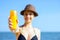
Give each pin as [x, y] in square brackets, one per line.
[44, 36]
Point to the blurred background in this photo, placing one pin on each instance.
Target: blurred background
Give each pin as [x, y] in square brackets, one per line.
[48, 20]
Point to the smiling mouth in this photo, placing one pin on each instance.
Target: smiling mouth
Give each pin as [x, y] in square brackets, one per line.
[27, 19]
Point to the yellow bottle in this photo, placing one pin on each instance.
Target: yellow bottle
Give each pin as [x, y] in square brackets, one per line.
[13, 17]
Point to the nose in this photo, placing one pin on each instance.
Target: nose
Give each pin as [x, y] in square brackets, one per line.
[28, 16]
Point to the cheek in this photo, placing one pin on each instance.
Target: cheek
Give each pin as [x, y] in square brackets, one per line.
[31, 18]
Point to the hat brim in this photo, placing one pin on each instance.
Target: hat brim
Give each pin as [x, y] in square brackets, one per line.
[35, 13]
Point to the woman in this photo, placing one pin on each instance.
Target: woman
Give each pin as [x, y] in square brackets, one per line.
[26, 31]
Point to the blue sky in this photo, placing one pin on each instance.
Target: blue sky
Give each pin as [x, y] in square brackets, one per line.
[48, 10]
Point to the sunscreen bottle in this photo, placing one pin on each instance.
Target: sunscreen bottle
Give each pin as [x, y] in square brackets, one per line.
[13, 17]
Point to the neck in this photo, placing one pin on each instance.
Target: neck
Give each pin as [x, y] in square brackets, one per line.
[28, 24]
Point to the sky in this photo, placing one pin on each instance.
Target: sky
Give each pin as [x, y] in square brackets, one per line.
[48, 11]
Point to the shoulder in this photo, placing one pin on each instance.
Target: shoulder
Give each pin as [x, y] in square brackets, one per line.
[19, 28]
[37, 30]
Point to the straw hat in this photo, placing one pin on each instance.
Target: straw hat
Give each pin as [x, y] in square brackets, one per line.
[30, 8]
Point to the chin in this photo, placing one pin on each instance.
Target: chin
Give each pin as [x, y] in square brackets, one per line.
[28, 21]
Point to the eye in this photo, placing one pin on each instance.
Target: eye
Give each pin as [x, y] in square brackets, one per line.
[26, 14]
[30, 13]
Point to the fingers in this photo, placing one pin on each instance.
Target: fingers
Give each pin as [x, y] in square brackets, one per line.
[10, 23]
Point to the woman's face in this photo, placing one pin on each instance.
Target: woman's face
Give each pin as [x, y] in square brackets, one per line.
[28, 16]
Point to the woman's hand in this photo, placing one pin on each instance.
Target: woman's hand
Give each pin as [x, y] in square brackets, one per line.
[11, 24]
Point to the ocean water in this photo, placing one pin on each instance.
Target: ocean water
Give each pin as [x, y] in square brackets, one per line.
[44, 36]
